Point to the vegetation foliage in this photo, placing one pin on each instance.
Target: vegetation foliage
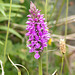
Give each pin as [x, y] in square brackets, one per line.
[17, 41]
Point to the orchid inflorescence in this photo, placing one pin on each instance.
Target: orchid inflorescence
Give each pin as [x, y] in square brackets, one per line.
[37, 31]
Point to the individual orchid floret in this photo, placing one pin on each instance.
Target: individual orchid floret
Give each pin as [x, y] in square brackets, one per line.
[37, 31]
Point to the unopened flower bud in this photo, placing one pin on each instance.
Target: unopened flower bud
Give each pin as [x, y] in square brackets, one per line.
[62, 46]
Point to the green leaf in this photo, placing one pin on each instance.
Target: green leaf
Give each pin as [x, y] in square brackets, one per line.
[13, 5]
[3, 18]
[11, 31]
[19, 72]
[2, 10]
[16, 9]
[1, 43]
[1, 1]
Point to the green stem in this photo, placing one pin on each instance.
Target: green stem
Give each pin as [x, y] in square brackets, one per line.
[66, 32]
[46, 47]
[7, 33]
[53, 8]
[60, 11]
[19, 72]
[66, 28]
[66, 20]
[40, 64]
[62, 64]
[46, 11]
[46, 62]
[65, 35]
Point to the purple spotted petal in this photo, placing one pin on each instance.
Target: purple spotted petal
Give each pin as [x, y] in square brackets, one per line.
[31, 50]
[37, 56]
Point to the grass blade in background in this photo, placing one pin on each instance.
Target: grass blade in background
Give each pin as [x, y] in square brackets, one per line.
[2, 67]
[11, 31]
[2, 10]
[53, 8]
[67, 63]
[60, 9]
[7, 33]
[46, 47]
[19, 72]
[1, 43]
[13, 5]
[15, 65]
[22, 67]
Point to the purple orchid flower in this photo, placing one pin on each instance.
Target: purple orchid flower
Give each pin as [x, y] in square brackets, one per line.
[37, 31]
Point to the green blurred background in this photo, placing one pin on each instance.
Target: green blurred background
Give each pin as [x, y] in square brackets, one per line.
[17, 41]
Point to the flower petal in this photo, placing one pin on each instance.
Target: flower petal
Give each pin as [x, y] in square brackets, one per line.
[37, 56]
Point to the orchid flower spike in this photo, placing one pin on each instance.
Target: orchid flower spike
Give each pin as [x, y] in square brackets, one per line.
[37, 31]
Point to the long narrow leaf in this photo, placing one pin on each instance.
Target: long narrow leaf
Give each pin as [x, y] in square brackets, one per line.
[2, 67]
[15, 65]
[2, 10]
[1, 43]
[11, 31]
[2, 18]
[13, 5]
[19, 72]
